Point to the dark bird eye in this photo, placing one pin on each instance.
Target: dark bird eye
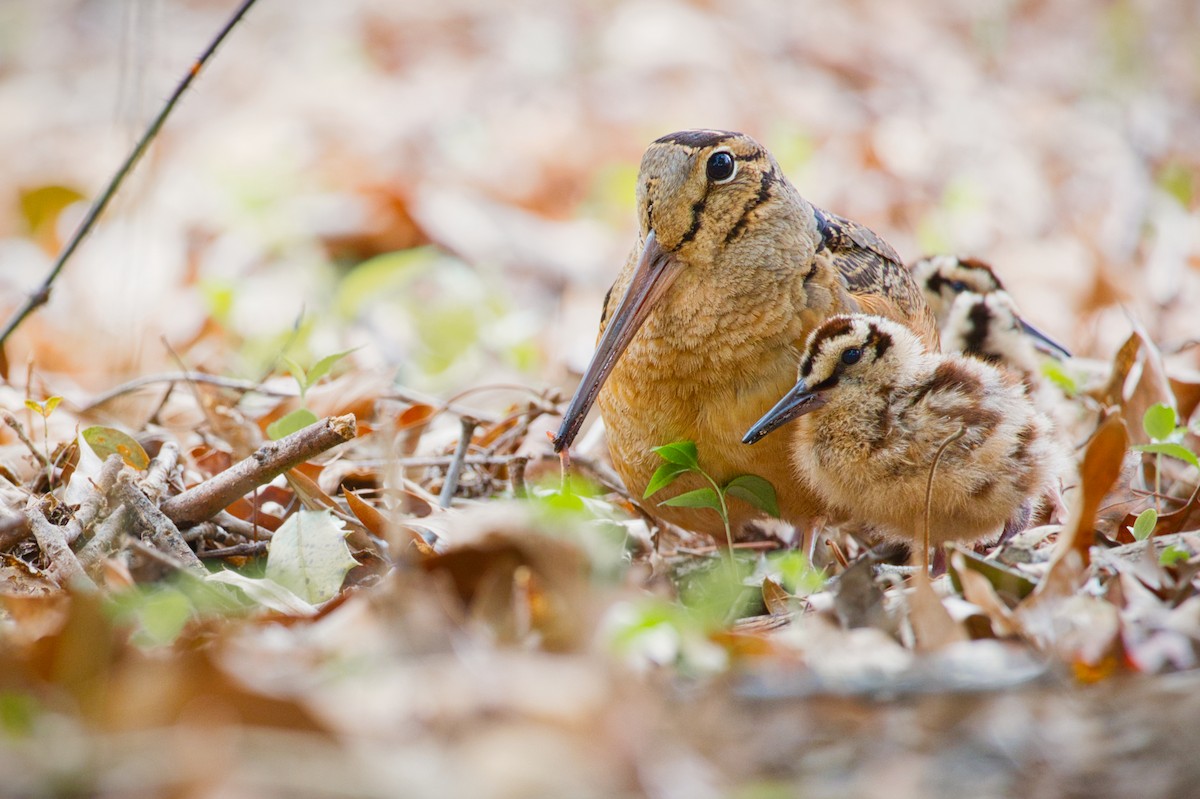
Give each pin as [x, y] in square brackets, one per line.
[958, 285]
[851, 356]
[721, 167]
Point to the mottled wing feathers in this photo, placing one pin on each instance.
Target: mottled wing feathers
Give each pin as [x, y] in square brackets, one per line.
[846, 235]
[874, 275]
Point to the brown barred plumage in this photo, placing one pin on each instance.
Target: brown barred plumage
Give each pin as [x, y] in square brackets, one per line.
[870, 420]
[731, 272]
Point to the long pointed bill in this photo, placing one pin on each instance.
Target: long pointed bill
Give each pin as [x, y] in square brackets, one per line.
[656, 270]
[1042, 342]
[797, 402]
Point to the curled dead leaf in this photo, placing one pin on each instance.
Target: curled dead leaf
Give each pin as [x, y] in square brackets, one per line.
[1101, 466]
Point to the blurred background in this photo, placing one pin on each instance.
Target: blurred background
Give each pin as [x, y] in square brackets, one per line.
[449, 185]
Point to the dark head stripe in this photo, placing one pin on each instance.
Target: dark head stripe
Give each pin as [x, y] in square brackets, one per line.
[979, 266]
[881, 340]
[838, 326]
[979, 322]
[764, 193]
[697, 138]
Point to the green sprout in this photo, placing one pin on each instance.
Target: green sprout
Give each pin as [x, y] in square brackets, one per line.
[1161, 426]
[305, 379]
[682, 457]
[44, 409]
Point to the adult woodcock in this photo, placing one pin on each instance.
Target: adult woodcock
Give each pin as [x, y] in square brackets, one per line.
[702, 329]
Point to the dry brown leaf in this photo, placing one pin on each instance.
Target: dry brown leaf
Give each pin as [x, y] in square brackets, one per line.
[34, 617]
[499, 557]
[308, 492]
[978, 591]
[776, 599]
[1098, 472]
[411, 424]
[933, 627]
[372, 519]
[1185, 385]
[1138, 381]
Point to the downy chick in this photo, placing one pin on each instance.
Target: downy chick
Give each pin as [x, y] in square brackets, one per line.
[978, 317]
[872, 409]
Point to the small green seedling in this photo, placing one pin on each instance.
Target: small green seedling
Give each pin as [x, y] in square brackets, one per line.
[302, 417]
[682, 457]
[1165, 434]
[44, 409]
[1056, 373]
[1172, 555]
[1143, 525]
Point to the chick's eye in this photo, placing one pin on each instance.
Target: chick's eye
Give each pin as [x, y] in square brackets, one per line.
[958, 286]
[721, 167]
[851, 356]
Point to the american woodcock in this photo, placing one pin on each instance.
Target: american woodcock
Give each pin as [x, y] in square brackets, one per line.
[701, 330]
[872, 411]
[978, 317]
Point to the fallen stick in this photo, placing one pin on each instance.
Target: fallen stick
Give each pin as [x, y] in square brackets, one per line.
[52, 539]
[205, 500]
[162, 530]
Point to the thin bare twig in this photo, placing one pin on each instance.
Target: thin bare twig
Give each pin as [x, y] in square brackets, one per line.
[232, 524]
[52, 539]
[19, 429]
[516, 475]
[95, 502]
[162, 530]
[270, 460]
[452, 474]
[174, 378]
[446, 460]
[105, 537]
[154, 484]
[41, 295]
[237, 550]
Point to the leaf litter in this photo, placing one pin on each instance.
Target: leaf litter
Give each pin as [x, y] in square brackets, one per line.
[540, 635]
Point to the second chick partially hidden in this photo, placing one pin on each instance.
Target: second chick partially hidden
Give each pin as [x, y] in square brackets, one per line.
[976, 316]
[872, 410]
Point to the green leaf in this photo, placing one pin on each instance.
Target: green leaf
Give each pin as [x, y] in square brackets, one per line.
[682, 453]
[1172, 555]
[1056, 374]
[163, 616]
[106, 441]
[268, 593]
[286, 425]
[1159, 421]
[700, 498]
[1170, 449]
[755, 490]
[1143, 526]
[18, 713]
[296, 371]
[43, 409]
[309, 555]
[663, 476]
[796, 574]
[322, 367]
